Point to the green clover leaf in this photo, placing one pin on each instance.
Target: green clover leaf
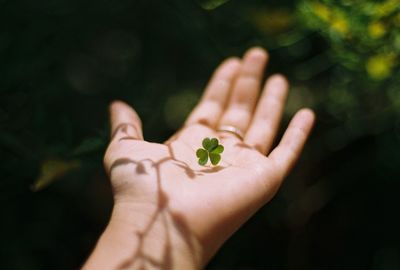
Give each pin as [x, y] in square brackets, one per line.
[215, 158]
[202, 155]
[218, 150]
[206, 143]
[211, 149]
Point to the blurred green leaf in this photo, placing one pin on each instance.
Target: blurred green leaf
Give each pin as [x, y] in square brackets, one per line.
[52, 170]
[211, 4]
[89, 145]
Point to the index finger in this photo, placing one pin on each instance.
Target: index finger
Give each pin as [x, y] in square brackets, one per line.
[212, 104]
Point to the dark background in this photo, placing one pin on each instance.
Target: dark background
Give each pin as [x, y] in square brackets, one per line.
[63, 61]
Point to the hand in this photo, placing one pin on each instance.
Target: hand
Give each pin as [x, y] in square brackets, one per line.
[177, 212]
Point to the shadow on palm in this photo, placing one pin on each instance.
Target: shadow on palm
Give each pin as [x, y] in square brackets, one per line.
[182, 189]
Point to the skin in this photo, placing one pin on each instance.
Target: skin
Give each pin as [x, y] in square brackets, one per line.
[170, 212]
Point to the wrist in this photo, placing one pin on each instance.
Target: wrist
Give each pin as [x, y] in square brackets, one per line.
[143, 235]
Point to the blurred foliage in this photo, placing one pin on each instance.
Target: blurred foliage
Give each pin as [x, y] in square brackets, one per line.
[52, 170]
[62, 62]
[211, 4]
[363, 39]
[364, 35]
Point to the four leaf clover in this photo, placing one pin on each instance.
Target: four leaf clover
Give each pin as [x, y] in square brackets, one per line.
[211, 149]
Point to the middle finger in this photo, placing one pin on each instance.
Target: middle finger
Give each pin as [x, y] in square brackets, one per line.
[244, 95]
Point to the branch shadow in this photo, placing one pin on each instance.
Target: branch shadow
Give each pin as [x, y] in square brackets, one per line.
[124, 128]
[163, 211]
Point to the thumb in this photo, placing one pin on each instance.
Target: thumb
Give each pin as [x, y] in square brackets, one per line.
[125, 123]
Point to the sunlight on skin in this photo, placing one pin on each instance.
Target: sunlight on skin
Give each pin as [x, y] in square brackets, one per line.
[172, 213]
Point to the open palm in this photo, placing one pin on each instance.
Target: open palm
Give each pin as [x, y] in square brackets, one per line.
[209, 203]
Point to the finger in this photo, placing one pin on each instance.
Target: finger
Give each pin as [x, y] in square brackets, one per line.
[288, 151]
[209, 110]
[125, 123]
[245, 91]
[265, 123]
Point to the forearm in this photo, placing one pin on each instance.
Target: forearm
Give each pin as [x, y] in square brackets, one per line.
[154, 241]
